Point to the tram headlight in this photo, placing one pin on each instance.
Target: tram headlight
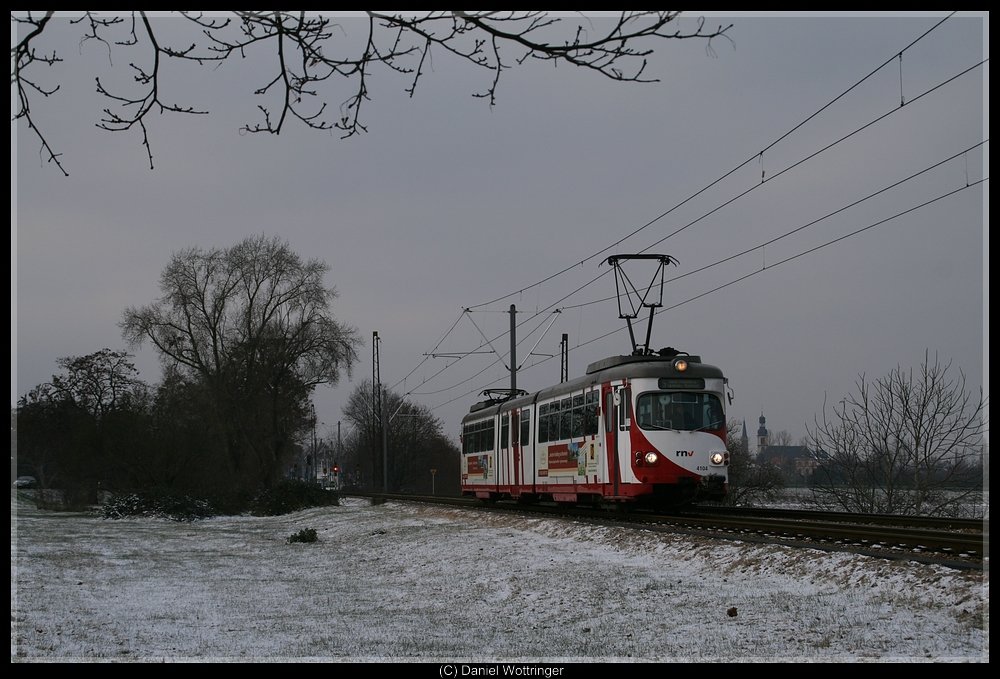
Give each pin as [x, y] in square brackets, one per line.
[651, 457]
[680, 365]
[717, 458]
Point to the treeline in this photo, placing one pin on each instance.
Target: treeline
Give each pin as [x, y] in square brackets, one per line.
[419, 456]
[245, 335]
[96, 427]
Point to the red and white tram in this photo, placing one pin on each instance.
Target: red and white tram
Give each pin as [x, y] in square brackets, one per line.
[634, 429]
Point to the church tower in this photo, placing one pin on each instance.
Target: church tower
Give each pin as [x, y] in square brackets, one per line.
[762, 434]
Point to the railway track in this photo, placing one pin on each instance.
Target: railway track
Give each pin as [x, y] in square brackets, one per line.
[957, 543]
[874, 519]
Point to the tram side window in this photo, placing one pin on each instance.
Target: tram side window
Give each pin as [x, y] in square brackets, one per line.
[504, 429]
[477, 437]
[489, 435]
[568, 418]
[590, 414]
[525, 426]
[576, 427]
[553, 421]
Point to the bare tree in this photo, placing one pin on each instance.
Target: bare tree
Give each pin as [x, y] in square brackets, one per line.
[307, 58]
[80, 430]
[254, 323]
[781, 438]
[98, 382]
[415, 443]
[907, 443]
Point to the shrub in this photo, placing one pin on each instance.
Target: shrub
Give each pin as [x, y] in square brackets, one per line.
[161, 505]
[304, 535]
[282, 498]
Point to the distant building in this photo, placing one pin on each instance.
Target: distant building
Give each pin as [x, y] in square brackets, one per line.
[796, 463]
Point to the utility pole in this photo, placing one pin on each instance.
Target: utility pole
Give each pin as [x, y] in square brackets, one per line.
[339, 456]
[564, 358]
[513, 351]
[385, 447]
[378, 424]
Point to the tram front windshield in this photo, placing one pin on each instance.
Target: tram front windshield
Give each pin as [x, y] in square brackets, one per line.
[679, 411]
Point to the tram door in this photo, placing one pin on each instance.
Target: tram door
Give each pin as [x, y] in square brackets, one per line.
[623, 399]
[515, 441]
[502, 451]
[617, 411]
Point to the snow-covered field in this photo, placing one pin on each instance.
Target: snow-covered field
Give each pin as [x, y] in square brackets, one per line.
[402, 581]
[974, 506]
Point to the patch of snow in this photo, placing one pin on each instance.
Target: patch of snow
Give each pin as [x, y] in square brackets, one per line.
[401, 581]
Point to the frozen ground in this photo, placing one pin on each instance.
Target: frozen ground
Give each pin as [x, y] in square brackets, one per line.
[975, 506]
[405, 581]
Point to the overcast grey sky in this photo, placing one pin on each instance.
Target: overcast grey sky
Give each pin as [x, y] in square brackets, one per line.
[447, 203]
